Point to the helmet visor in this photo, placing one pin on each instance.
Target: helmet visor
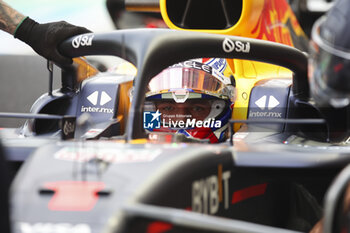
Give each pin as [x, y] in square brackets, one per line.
[199, 78]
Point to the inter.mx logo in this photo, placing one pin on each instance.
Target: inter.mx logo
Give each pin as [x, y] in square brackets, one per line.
[93, 99]
[262, 102]
[151, 120]
[266, 104]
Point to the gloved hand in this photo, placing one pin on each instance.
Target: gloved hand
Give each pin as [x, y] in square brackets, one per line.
[44, 38]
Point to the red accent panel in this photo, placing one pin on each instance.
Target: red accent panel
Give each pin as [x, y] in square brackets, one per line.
[338, 67]
[74, 195]
[151, 25]
[253, 191]
[168, 138]
[204, 60]
[158, 227]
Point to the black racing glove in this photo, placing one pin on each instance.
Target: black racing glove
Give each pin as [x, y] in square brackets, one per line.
[45, 38]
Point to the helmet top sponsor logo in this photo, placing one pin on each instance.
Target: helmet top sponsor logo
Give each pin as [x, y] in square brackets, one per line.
[82, 41]
[195, 65]
[229, 46]
[215, 68]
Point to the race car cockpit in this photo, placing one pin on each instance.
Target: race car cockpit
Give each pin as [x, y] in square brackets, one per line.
[191, 98]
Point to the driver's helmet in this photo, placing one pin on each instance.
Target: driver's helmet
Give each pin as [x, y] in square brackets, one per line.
[329, 63]
[194, 99]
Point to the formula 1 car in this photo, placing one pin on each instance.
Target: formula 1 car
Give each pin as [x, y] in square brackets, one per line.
[129, 184]
[271, 176]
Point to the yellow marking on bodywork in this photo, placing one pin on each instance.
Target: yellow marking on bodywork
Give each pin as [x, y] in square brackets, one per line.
[84, 69]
